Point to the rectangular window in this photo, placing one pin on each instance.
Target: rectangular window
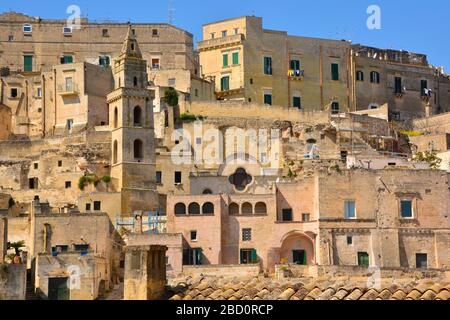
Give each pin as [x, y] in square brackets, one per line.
[350, 209]
[213, 35]
[295, 66]
[155, 32]
[375, 77]
[69, 124]
[287, 215]
[33, 183]
[27, 28]
[14, 93]
[36, 165]
[104, 61]
[398, 85]
[60, 163]
[359, 75]
[39, 92]
[225, 60]
[406, 209]
[363, 259]
[249, 256]
[105, 33]
[158, 177]
[68, 184]
[193, 235]
[97, 205]
[67, 30]
[349, 240]
[28, 63]
[10, 38]
[247, 234]
[60, 248]
[306, 217]
[334, 72]
[424, 92]
[421, 261]
[297, 102]
[155, 63]
[66, 59]
[69, 84]
[192, 257]
[268, 98]
[172, 82]
[335, 108]
[224, 33]
[225, 83]
[177, 177]
[236, 30]
[235, 59]
[268, 66]
[88, 207]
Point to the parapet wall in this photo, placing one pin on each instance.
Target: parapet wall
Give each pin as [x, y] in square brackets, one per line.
[238, 109]
[250, 270]
[13, 278]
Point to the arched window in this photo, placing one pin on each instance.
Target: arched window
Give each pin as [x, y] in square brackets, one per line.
[180, 208]
[138, 149]
[194, 208]
[137, 116]
[233, 208]
[116, 118]
[247, 208]
[115, 150]
[135, 81]
[207, 191]
[208, 208]
[260, 208]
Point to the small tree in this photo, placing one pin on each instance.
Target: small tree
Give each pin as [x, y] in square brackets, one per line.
[171, 97]
[429, 157]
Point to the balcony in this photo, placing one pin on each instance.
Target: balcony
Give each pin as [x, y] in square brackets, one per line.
[68, 90]
[219, 43]
[296, 74]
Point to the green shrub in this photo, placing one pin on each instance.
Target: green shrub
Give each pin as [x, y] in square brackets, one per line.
[171, 97]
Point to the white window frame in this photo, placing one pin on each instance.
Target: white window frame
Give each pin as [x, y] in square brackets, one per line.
[67, 30]
[27, 25]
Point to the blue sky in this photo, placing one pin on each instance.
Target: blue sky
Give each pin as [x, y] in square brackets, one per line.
[422, 27]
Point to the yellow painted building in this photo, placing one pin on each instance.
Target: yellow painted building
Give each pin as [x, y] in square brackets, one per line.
[257, 65]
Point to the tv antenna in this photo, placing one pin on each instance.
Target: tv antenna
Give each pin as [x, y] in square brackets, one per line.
[171, 12]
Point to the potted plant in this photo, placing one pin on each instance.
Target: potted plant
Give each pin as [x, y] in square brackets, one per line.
[17, 250]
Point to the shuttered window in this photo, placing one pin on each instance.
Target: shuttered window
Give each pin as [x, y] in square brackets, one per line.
[66, 59]
[225, 83]
[235, 58]
[334, 72]
[225, 59]
[406, 209]
[363, 259]
[268, 65]
[28, 63]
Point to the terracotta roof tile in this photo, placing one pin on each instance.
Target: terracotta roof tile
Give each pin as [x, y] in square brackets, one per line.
[354, 295]
[398, 295]
[340, 294]
[443, 295]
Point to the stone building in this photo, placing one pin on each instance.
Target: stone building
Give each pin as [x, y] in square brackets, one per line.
[253, 64]
[405, 80]
[383, 218]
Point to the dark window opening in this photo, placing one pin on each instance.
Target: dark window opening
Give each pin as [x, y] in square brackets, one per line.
[68, 184]
[177, 177]
[194, 208]
[421, 260]
[249, 256]
[193, 235]
[306, 217]
[398, 85]
[88, 207]
[14, 92]
[158, 177]
[138, 149]
[180, 208]
[208, 208]
[247, 234]
[137, 116]
[192, 257]
[33, 183]
[334, 72]
[97, 205]
[287, 215]
[349, 240]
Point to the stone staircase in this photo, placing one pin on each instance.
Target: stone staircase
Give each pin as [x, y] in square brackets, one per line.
[30, 293]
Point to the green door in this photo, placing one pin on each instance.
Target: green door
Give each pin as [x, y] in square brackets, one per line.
[28, 63]
[57, 289]
[363, 259]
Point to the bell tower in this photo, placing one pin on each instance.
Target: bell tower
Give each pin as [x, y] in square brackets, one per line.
[131, 121]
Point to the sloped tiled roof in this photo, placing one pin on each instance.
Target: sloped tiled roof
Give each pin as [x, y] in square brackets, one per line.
[212, 288]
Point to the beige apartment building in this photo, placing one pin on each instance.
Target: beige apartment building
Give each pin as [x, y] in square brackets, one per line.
[253, 64]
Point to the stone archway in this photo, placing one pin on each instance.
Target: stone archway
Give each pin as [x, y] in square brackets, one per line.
[298, 248]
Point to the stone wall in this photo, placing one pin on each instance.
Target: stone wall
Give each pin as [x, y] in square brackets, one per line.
[3, 238]
[235, 270]
[13, 278]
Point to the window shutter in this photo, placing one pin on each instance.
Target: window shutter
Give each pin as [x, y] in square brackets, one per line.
[199, 256]
[225, 60]
[254, 256]
[334, 71]
[28, 63]
[242, 256]
[235, 57]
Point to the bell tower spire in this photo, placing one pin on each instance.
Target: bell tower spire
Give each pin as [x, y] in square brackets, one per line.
[130, 47]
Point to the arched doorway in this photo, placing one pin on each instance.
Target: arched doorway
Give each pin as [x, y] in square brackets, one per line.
[297, 248]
